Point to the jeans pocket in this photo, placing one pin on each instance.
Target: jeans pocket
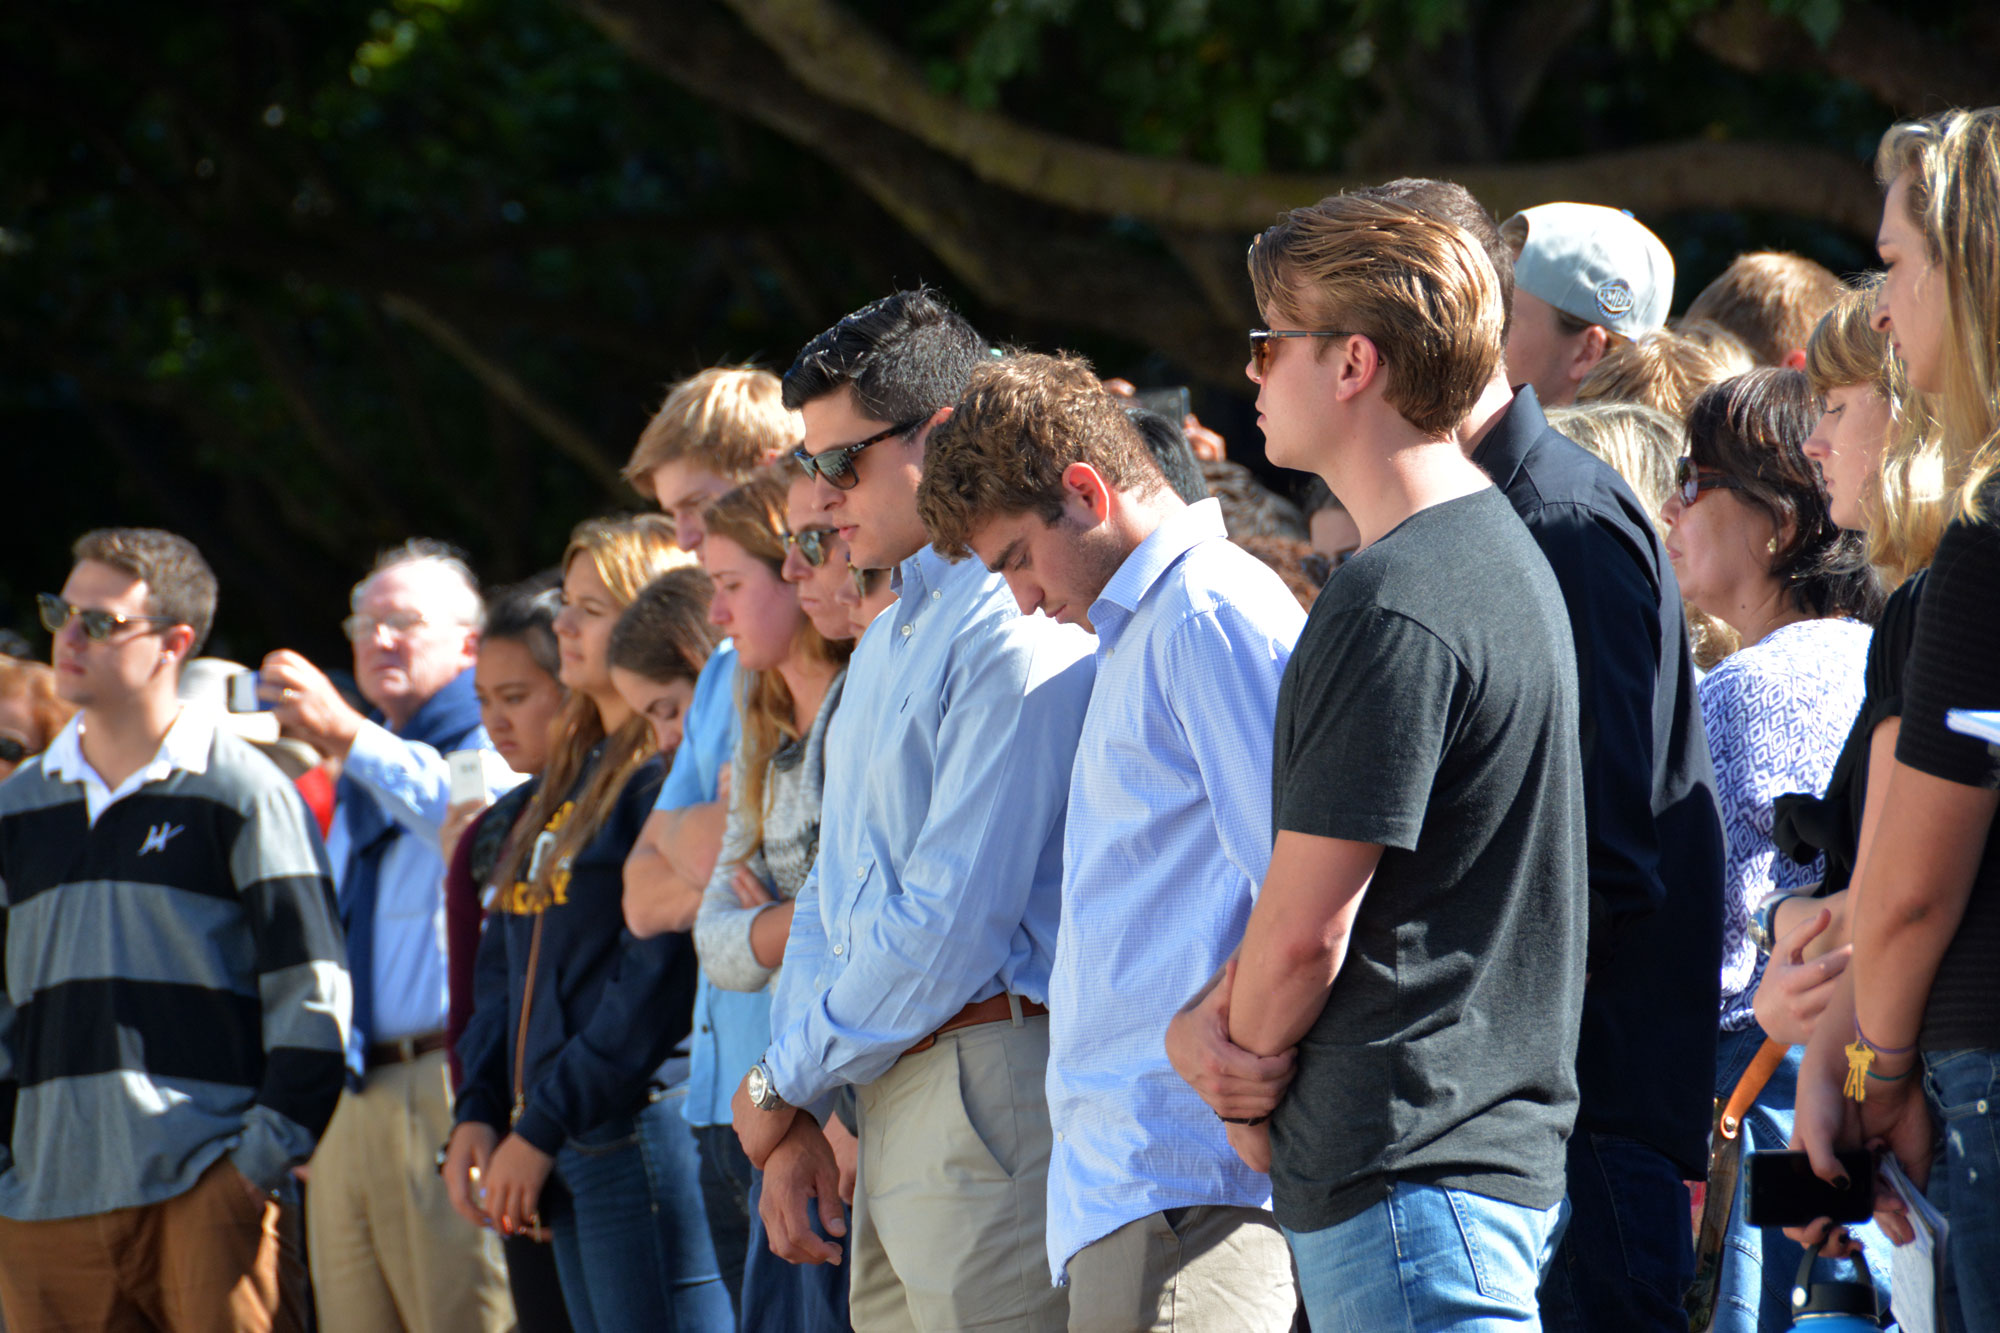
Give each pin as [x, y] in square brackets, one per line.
[615, 1134]
[1501, 1247]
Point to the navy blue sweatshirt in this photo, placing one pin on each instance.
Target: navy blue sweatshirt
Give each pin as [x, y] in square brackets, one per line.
[608, 1008]
[1645, 1062]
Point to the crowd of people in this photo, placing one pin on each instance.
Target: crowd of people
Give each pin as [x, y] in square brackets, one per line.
[975, 858]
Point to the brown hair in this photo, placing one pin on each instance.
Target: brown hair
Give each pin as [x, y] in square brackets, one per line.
[753, 516]
[664, 634]
[1953, 162]
[1771, 300]
[179, 584]
[629, 553]
[37, 684]
[1420, 289]
[1022, 422]
[1448, 201]
[1665, 369]
[1907, 509]
[1753, 429]
[729, 419]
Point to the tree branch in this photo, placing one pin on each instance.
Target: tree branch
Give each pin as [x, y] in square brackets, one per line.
[548, 421]
[1912, 72]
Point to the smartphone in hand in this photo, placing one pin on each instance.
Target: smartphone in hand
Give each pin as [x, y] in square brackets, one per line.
[1782, 1190]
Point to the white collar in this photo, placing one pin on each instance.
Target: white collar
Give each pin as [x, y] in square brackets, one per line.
[184, 748]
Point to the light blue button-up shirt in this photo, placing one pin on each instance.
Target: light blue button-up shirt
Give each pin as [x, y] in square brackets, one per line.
[939, 878]
[1169, 836]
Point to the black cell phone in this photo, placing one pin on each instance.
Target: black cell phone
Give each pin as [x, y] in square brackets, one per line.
[1784, 1192]
[1173, 404]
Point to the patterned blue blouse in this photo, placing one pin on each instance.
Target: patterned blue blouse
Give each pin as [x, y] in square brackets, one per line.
[1777, 713]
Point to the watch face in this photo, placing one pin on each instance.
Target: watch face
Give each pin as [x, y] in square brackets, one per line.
[759, 1087]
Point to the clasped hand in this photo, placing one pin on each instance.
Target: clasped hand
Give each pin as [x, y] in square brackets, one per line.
[1236, 1084]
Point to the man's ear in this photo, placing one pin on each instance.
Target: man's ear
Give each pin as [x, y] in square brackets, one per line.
[1591, 345]
[921, 438]
[1357, 365]
[1794, 359]
[1085, 486]
[178, 641]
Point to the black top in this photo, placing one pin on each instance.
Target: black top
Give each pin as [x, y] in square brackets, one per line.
[1808, 826]
[1430, 706]
[608, 1008]
[1955, 663]
[1646, 1053]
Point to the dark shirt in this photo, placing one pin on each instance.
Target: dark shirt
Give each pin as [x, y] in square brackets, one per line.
[465, 881]
[1806, 826]
[1431, 707]
[1955, 663]
[1646, 1053]
[607, 1008]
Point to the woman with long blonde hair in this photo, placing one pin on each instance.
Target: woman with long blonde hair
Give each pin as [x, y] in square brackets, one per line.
[568, 1117]
[1911, 1036]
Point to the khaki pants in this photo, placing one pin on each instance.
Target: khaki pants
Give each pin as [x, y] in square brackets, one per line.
[951, 1199]
[388, 1253]
[1187, 1270]
[212, 1260]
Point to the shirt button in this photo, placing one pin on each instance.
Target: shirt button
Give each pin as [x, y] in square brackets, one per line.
[906, 631]
[1059, 1136]
[935, 594]
[861, 872]
[836, 951]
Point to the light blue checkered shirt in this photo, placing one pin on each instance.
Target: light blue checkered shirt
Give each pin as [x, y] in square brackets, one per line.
[939, 878]
[1168, 839]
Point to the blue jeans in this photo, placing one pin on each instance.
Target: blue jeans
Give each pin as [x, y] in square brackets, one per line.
[798, 1298]
[1427, 1258]
[632, 1245]
[1626, 1258]
[725, 1197]
[1963, 1088]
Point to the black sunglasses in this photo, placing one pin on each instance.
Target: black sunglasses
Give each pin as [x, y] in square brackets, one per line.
[97, 625]
[13, 751]
[812, 544]
[1689, 482]
[1260, 343]
[837, 465]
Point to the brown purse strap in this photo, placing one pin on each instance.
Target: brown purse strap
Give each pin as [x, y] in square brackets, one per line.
[1769, 1056]
[527, 1008]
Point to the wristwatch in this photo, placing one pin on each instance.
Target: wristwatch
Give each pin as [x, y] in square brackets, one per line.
[1764, 918]
[763, 1092]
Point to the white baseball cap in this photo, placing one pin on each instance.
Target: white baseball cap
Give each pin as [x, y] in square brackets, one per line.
[1599, 264]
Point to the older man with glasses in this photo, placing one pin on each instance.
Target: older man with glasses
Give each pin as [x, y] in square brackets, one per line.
[387, 1252]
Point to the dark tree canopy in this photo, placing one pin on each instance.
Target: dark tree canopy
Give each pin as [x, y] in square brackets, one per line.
[301, 279]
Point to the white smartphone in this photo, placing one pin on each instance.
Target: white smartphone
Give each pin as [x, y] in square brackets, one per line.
[243, 693]
[468, 776]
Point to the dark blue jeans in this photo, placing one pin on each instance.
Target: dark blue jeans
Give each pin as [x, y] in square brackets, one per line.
[725, 1197]
[1626, 1257]
[799, 1298]
[1964, 1092]
[632, 1245]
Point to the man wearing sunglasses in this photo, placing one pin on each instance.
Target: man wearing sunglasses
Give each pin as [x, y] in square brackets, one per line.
[175, 1001]
[1154, 1221]
[917, 970]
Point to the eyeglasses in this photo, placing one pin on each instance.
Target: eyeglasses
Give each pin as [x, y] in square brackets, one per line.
[867, 582]
[812, 545]
[360, 629]
[837, 465]
[1690, 483]
[98, 625]
[1260, 343]
[13, 751]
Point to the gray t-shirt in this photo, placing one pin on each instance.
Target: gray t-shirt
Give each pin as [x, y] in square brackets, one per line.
[1431, 706]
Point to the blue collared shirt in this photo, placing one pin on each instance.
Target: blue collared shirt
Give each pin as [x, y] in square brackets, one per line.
[1169, 836]
[731, 1028]
[939, 878]
[412, 784]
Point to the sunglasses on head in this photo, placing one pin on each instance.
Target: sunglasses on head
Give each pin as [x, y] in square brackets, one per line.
[837, 465]
[812, 544]
[97, 625]
[1261, 339]
[1689, 482]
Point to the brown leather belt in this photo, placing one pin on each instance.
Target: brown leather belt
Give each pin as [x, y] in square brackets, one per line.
[404, 1051]
[989, 1010]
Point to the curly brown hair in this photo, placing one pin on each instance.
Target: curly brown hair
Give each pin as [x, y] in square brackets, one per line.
[1023, 421]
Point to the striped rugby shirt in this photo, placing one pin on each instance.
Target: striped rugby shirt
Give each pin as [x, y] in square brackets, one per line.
[175, 982]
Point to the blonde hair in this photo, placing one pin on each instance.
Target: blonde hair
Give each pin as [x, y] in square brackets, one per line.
[629, 553]
[1642, 443]
[753, 516]
[1770, 299]
[1664, 369]
[1906, 504]
[1953, 164]
[1422, 290]
[729, 419]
